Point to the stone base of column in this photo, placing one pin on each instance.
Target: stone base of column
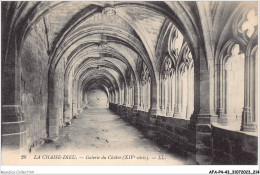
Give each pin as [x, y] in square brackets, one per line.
[203, 118]
[118, 109]
[223, 119]
[134, 118]
[163, 112]
[151, 132]
[128, 114]
[13, 137]
[247, 124]
[123, 112]
[249, 127]
[169, 114]
[67, 112]
[200, 124]
[179, 115]
[154, 112]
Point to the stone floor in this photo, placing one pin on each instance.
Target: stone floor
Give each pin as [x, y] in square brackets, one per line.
[100, 137]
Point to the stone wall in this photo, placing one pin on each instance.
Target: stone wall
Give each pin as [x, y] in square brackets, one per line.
[234, 147]
[172, 133]
[178, 135]
[96, 98]
[34, 87]
[59, 93]
[175, 134]
[34, 83]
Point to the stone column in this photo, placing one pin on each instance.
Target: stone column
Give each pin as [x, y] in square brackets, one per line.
[154, 110]
[13, 126]
[204, 91]
[181, 92]
[177, 106]
[220, 111]
[166, 96]
[136, 107]
[188, 95]
[228, 94]
[163, 111]
[203, 115]
[75, 98]
[112, 97]
[133, 97]
[173, 93]
[14, 134]
[115, 96]
[136, 97]
[169, 112]
[120, 96]
[248, 123]
[125, 96]
[149, 94]
[141, 96]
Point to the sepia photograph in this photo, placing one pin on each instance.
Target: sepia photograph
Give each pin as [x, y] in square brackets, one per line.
[132, 83]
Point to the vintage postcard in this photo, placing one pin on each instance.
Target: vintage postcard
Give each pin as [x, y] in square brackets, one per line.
[129, 83]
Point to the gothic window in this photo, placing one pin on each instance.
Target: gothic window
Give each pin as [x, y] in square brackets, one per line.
[234, 69]
[250, 24]
[130, 80]
[167, 87]
[184, 86]
[145, 88]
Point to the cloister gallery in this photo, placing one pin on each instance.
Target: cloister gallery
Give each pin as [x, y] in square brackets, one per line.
[183, 73]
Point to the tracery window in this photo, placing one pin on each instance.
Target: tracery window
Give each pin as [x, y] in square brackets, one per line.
[145, 88]
[234, 85]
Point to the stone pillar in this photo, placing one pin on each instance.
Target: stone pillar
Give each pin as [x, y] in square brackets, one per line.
[173, 93]
[166, 97]
[115, 97]
[75, 98]
[203, 116]
[163, 110]
[248, 123]
[169, 112]
[154, 110]
[133, 96]
[221, 97]
[136, 97]
[141, 96]
[188, 95]
[136, 107]
[13, 135]
[177, 106]
[112, 96]
[122, 94]
[125, 96]
[204, 92]
[145, 96]
[181, 93]
[67, 112]
[149, 94]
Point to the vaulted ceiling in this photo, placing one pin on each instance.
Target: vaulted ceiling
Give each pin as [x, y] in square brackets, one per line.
[109, 38]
